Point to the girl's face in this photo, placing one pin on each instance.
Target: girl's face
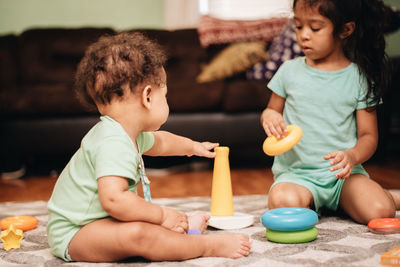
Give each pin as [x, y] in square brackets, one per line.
[314, 34]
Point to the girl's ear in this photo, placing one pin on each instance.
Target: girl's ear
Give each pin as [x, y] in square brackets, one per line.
[348, 29]
[146, 96]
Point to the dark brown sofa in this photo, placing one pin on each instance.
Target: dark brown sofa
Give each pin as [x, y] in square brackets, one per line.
[42, 122]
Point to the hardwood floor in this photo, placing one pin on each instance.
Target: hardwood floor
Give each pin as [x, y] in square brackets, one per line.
[189, 183]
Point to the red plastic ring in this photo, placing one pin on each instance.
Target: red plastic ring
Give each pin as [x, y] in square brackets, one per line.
[385, 225]
[25, 223]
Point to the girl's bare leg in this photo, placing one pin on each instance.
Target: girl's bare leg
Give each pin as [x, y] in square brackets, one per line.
[363, 199]
[396, 199]
[110, 240]
[199, 221]
[289, 195]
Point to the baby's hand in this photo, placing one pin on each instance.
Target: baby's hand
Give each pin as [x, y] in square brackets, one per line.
[344, 160]
[203, 149]
[174, 220]
[273, 123]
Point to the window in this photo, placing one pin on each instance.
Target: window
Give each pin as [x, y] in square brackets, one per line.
[181, 14]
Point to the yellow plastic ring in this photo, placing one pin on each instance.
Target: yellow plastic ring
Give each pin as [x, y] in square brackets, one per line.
[273, 146]
[24, 223]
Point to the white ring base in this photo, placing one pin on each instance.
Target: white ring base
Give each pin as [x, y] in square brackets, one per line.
[237, 221]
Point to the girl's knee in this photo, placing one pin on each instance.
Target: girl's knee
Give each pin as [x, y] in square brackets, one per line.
[382, 210]
[282, 198]
[375, 211]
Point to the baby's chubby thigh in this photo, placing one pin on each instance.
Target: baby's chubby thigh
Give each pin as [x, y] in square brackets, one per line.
[108, 239]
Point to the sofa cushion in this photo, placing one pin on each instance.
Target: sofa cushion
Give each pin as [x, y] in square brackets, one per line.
[219, 31]
[8, 62]
[236, 58]
[284, 47]
[51, 55]
[46, 61]
[185, 56]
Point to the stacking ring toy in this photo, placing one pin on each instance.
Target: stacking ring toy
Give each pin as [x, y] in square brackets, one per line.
[289, 219]
[292, 237]
[384, 226]
[273, 146]
[24, 223]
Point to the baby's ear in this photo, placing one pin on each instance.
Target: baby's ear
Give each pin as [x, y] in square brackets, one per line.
[348, 29]
[146, 96]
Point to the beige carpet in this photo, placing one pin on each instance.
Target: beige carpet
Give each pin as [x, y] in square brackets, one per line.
[340, 241]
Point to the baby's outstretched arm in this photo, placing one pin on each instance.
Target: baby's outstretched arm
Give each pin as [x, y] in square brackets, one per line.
[168, 144]
[124, 205]
[203, 149]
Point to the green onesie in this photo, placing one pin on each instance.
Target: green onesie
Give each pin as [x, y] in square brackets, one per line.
[105, 150]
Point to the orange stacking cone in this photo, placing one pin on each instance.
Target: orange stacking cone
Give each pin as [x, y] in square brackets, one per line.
[221, 193]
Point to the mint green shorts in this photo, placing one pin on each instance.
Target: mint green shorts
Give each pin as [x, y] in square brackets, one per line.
[60, 233]
[322, 183]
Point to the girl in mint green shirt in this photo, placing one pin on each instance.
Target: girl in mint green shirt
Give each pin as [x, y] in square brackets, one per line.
[331, 93]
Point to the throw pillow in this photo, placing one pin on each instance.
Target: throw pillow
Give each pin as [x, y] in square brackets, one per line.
[283, 47]
[235, 58]
[218, 31]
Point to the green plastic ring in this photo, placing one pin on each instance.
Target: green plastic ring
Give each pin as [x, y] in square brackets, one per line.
[292, 237]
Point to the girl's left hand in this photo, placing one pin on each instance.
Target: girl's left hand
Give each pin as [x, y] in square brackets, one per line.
[341, 160]
[203, 149]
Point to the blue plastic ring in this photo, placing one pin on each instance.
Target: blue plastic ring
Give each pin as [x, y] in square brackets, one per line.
[289, 219]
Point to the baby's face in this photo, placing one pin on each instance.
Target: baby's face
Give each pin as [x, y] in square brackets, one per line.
[160, 108]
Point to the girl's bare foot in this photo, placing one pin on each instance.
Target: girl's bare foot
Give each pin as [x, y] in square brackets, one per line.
[228, 246]
[199, 221]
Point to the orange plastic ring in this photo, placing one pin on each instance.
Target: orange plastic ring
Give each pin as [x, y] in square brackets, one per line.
[273, 146]
[24, 223]
[385, 225]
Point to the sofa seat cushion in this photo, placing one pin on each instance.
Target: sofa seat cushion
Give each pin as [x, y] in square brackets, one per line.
[48, 100]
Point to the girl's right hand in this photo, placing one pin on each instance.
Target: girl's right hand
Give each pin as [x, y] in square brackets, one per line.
[174, 220]
[273, 123]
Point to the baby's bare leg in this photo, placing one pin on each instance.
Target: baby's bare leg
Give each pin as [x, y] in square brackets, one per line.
[110, 240]
[199, 221]
[363, 199]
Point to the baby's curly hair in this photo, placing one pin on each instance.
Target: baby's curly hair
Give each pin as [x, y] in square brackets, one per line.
[115, 62]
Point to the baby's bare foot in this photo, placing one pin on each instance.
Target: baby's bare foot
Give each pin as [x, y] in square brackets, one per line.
[228, 246]
[199, 221]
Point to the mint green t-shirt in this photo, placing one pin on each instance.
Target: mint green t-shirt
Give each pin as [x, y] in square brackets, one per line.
[105, 150]
[323, 104]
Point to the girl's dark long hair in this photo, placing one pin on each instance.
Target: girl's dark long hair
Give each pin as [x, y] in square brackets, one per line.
[366, 46]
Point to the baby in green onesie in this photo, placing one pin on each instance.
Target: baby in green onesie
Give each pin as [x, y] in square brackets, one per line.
[95, 214]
